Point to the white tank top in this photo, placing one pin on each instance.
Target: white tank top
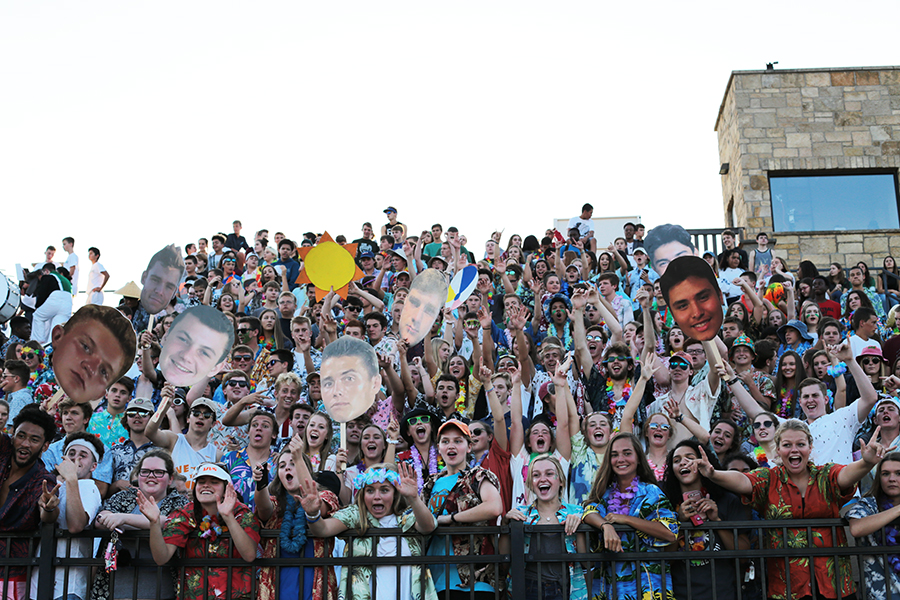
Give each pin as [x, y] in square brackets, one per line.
[187, 459]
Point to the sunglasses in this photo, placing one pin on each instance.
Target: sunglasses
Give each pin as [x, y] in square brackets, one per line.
[471, 323]
[228, 260]
[353, 308]
[242, 357]
[765, 424]
[235, 383]
[593, 338]
[136, 413]
[610, 359]
[205, 414]
[177, 401]
[420, 419]
[476, 432]
[660, 426]
[679, 365]
[869, 361]
[274, 361]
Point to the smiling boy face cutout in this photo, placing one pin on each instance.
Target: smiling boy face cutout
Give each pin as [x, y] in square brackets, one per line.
[692, 293]
[424, 303]
[350, 378]
[195, 346]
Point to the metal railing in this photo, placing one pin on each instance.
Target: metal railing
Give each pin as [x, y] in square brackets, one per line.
[513, 569]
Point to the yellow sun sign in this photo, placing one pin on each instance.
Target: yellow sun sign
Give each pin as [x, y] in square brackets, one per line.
[329, 265]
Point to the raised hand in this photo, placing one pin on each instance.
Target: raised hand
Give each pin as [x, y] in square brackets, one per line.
[297, 446]
[309, 499]
[671, 407]
[643, 298]
[560, 377]
[704, 467]
[409, 486]
[484, 317]
[49, 501]
[148, 507]
[67, 470]
[874, 451]
[393, 429]
[579, 299]
[515, 374]
[484, 372]
[225, 506]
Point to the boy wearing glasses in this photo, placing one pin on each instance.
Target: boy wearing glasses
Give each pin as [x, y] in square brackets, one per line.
[189, 449]
[236, 387]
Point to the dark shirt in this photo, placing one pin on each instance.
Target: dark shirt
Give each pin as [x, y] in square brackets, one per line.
[20, 512]
[47, 284]
[293, 271]
[236, 242]
[364, 245]
[125, 456]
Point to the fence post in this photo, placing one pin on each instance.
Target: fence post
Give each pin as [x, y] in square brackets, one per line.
[516, 552]
[47, 573]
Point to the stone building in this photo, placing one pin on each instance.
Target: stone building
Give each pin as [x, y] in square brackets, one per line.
[811, 157]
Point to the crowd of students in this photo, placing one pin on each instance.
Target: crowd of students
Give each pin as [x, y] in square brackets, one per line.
[562, 391]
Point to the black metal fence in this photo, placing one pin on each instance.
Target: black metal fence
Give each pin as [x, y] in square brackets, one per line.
[748, 570]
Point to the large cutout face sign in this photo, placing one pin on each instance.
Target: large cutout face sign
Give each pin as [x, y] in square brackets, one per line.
[161, 279]
[350, 378]
[667, 242]
[426, 299]
[92, 351]
[692, 293]
[195, 346]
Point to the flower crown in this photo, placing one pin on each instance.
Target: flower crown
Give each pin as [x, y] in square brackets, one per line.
[370, 476]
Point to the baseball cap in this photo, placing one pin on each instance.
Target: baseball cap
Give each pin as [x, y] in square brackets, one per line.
[641, 250]
[210, 404]
[458, 424]
[211, 470]
[141, 404]
[366, 254]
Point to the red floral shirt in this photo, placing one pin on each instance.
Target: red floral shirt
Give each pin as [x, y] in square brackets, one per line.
[776, 497]
[182, 530]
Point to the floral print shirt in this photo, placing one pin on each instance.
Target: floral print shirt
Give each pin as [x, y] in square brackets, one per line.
[776, 497]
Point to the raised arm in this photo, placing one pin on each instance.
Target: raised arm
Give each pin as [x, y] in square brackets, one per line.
[867, 394]
[758, 308]
[563, 395]
[651, 364]
[872, 453]
[161, 438]
[487, 338]
[579, 334]
[498, 414]
[239, 413]
[516, 432]
[751, 407]
[733, 481]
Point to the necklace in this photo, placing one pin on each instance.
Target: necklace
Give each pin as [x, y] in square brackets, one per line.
[786, 398]
[759, 455]
[417, 462]
[293, 527]
[616, 407]
[210, 529]
[620, 502]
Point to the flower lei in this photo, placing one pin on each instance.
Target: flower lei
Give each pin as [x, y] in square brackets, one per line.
[293, 527]
[417, 462]
[759, 455]
[567, 341]
[614, 404]
[210, 530]
[461, 399]
[372, 476]
[620, 502]
[786, 397]
[267, 343]
[892, 538]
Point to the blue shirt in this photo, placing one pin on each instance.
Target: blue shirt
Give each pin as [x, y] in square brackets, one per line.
[54, 455]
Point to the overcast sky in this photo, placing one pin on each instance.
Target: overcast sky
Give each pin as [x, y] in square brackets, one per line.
[130, 125]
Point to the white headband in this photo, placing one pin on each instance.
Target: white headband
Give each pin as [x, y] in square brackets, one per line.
[86, 444]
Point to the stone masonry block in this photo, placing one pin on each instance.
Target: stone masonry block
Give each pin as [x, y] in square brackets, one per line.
[844, 78]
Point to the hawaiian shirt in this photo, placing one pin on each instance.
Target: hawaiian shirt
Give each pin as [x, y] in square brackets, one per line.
[125, 456]
[584, 466]
[728, 404]
[300, 369]
[776, 497]
[873, 297]
[649, 504]
[873, 565]
[578, 587]
[108, 427]
[183, 530]
[359, 576]
[238, 466]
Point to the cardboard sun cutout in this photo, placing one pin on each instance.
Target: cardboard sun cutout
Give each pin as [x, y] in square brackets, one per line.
[329, 265]
[426, 299]
[350, 379]
[692, 293]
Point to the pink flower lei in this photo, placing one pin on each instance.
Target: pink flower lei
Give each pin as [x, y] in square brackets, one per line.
[417, 462]
[620, 502]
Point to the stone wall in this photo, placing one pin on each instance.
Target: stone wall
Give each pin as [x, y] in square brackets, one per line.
[813, 119]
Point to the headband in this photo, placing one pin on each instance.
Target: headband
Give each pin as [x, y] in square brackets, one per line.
[84, 443]
[370, 476]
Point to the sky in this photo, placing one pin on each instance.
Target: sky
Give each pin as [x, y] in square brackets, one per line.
[131, 125]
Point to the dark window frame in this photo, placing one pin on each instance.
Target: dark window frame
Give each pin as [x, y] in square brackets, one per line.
[794, 173]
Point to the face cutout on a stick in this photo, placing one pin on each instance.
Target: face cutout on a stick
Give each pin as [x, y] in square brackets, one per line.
[92, 351]
[350, 378]
[692, 293]
[195, 346]
[667, 242]
[426, 299]
[161, 278]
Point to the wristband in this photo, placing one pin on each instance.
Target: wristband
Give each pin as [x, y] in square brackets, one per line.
[733, 381]
[313, 519]
[837, 370]
[489, 391]
[679, 418]
[453, 519]
[393, 441]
